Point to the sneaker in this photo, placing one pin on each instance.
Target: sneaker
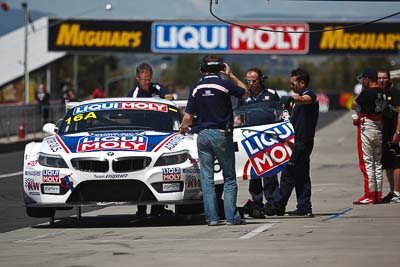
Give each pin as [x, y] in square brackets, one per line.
[387, 198]
[301, 213]
[395, 199]
[216, 223]
[271, 211]
[364, 200]
[238, 222]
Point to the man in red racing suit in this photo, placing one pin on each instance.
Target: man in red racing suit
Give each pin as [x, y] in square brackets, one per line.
[370, 104]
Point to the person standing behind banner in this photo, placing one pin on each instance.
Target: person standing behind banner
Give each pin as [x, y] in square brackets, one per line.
[390, 134]
[266, 185]
[210, 101]
[43, 99]
[145, 87]
[296, 174]
[370, 104]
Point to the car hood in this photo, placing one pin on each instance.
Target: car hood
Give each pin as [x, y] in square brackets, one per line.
[140, 141]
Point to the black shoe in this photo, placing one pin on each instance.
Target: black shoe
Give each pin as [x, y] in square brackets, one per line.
[141, 211]
[160, 210]
[301, 213]
[271, 211]
[254, 209]
[387, 198]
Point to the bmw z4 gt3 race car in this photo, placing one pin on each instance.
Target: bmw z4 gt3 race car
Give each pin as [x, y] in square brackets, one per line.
[129, 151]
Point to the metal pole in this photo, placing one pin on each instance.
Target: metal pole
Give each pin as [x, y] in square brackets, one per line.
[26, 72]
[75, 72]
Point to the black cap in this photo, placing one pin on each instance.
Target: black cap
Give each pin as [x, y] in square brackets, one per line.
[368, 73]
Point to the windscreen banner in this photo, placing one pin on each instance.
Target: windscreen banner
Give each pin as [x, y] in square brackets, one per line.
[99, 35]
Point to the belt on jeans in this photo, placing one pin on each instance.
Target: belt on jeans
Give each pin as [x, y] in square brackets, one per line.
[373, 117]
[221, 130]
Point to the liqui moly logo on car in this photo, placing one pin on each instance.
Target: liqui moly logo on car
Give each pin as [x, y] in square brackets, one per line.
[50, 176]
[269, 148]
[121, 105]
[117, 142]
[284, 38]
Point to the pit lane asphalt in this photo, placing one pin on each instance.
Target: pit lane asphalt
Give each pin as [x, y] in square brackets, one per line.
[339, 235]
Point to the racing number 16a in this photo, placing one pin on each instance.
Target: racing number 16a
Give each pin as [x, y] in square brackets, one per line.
[79, 117]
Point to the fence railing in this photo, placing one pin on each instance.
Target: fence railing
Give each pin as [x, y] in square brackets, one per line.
[30, 117]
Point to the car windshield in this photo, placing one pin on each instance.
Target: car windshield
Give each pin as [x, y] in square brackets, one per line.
[257, 113]
[121, 116]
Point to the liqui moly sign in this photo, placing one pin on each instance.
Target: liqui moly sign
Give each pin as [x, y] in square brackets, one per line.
[125, 142]
[270, 149]
[272, 38]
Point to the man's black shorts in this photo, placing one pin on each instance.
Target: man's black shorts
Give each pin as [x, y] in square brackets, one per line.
[390, 156]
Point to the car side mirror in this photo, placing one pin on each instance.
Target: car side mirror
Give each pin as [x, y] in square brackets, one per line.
[49, 128]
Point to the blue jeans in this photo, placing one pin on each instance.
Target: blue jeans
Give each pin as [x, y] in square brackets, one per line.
[297, 177]
[211, 144]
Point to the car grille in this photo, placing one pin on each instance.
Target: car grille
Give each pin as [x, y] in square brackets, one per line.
[130, 164]
[111, 191]
[90, 164]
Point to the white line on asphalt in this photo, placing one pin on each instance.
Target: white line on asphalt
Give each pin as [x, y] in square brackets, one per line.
[255, 232]
[10, 174]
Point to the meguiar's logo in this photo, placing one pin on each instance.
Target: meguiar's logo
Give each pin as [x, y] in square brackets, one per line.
[72, 35]
[339, 39]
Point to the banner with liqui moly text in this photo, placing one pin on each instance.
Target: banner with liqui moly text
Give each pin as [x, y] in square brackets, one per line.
[266, 38]
[268, 149]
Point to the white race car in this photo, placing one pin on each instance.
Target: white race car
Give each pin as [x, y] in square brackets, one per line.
[129, 151]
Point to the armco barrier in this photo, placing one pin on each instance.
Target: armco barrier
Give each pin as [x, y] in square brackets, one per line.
[18, 120]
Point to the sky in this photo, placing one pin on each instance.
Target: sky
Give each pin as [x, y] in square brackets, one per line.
[227, 9]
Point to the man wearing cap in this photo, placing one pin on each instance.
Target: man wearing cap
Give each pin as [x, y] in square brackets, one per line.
[370, 104]
[391, 131]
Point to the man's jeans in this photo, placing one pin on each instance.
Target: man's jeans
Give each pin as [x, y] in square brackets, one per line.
[211, 144]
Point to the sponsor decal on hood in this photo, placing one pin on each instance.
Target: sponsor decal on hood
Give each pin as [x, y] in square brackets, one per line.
[106, 141]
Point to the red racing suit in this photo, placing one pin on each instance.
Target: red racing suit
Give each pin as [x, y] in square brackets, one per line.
[369, 142]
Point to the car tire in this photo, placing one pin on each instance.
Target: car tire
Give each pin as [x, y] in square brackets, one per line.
[40, 212]
[188, 209]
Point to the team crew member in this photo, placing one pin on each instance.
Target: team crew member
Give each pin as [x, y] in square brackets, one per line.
[266, 185]
[390, 133]
[145, 87]
[370, 104]
[297, 173]
[210, 101]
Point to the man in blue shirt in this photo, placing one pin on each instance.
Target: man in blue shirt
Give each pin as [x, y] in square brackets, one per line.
[297, 173]
[145, 87]
[266, 185]
[210, 101]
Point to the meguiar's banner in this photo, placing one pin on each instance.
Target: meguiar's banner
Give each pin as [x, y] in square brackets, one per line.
[99, 35]
[201, 37]
[377, 38]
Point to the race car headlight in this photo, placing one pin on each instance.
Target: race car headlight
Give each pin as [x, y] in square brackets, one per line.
[172, 158]
[52, 161]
